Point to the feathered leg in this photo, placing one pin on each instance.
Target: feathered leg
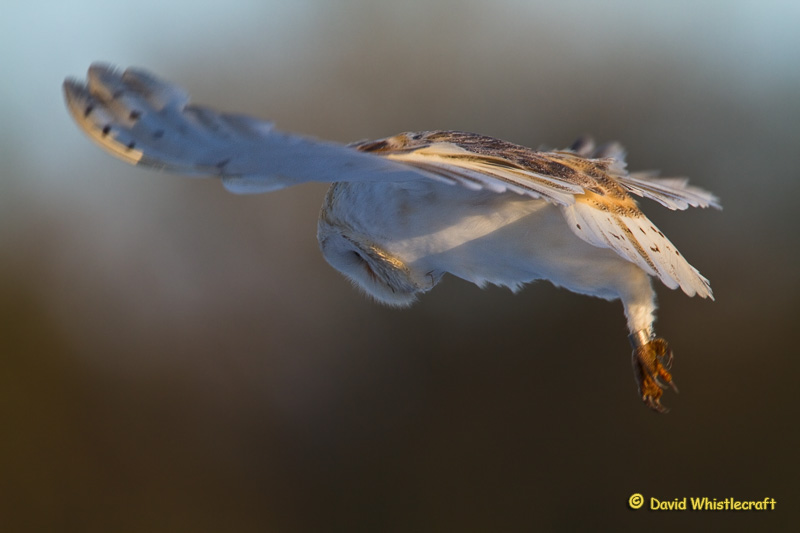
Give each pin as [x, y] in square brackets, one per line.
[652, 357]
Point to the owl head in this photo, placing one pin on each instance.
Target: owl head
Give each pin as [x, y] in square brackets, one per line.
[380, 275]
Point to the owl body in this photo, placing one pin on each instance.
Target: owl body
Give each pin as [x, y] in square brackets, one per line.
[397, 242]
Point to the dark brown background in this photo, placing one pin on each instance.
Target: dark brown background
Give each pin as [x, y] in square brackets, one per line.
[175, 358]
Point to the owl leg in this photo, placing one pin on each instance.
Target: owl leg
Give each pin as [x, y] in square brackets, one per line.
[652, 357]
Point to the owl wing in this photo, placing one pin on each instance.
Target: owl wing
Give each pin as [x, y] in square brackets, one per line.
[146, 121]
[149, 122]
[482, 162]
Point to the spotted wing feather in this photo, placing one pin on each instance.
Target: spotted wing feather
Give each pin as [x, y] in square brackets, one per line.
[632, 235]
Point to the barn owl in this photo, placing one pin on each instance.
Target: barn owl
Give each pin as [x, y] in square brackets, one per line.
[404, 210]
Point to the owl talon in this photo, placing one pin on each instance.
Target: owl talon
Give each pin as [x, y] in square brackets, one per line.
[651, 363]
[655, 404]
[667, 359]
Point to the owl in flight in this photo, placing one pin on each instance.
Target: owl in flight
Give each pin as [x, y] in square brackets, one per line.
[403, 211]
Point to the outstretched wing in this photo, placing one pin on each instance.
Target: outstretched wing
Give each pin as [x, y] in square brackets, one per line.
[146, 121]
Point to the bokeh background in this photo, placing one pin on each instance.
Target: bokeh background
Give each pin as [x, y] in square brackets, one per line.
[176, 358]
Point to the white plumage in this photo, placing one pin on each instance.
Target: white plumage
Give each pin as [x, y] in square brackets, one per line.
[405, 210]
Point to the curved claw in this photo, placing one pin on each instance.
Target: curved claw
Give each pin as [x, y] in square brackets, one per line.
[651, 364]
[668, 358]
[655, 404]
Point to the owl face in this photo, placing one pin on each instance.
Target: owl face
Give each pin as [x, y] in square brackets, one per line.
[380, 275]
[354, 224]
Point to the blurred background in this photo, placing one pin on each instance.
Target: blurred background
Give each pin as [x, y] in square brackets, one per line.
[176, 358]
